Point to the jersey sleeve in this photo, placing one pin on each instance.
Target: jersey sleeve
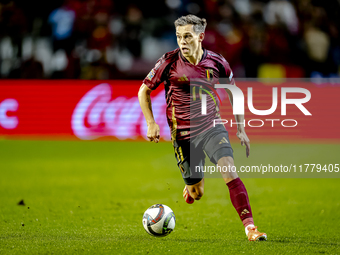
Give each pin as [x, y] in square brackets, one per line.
[157, 74]
[225, 71]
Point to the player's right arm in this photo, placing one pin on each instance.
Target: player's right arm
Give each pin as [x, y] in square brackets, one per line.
[157, 75]
[145, 103]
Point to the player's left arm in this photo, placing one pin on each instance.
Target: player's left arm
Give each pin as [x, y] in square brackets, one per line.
[241, 133]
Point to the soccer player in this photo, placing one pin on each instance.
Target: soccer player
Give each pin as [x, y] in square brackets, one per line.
[188, 72]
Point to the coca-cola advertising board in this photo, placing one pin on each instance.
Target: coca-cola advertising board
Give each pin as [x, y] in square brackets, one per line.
[101, 110]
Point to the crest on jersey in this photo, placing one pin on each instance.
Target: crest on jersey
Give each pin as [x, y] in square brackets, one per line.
[210, 74]
[151, 74]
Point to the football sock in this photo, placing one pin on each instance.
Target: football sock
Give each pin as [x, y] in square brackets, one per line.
[239, 199]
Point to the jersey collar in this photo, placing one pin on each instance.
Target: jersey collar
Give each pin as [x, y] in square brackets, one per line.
[204, 55]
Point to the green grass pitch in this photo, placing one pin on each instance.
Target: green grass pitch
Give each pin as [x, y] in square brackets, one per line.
[89, 198]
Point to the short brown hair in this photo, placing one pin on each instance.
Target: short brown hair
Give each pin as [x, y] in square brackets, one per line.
[199, 24]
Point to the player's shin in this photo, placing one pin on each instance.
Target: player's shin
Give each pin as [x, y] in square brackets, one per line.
[239, 199]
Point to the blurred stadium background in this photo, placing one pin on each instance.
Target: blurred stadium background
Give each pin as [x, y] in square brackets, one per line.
[109, 39]
[99, 42]
[71, 70]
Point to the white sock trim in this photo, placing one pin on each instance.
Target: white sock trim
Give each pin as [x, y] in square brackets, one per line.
[246, 229]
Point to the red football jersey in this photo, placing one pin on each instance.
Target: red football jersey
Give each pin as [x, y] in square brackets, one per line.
[184, 85]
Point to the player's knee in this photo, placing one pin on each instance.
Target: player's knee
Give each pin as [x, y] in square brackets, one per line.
[226, 161]
[231, 173]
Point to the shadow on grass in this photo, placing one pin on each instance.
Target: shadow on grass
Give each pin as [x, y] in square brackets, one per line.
[195, 240]
[235, 241]
[301, 241]
[167, 239]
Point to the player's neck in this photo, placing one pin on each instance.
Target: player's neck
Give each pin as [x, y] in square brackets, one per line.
[196, 57]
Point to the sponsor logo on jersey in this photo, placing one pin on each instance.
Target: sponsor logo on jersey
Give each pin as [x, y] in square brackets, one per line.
[224, 140]
[183, 78]
[245, 211]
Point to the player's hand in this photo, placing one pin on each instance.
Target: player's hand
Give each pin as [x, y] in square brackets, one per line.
[153, 133]
[244, 140]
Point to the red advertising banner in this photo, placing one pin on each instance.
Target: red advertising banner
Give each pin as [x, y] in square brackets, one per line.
[92, 110]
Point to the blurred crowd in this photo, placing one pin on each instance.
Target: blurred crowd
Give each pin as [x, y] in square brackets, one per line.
[110, 39]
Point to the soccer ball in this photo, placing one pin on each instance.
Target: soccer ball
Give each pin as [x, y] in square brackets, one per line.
[159, 220]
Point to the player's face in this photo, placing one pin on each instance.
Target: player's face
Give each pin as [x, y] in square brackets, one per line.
[188, 41]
